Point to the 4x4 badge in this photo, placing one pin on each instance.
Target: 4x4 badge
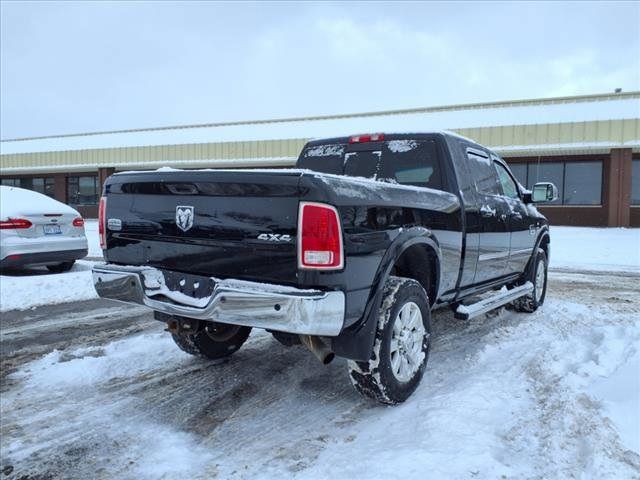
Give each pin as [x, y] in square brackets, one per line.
[184, 217]
[274, 237]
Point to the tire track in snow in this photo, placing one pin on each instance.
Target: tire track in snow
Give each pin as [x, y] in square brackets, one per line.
[25, 336]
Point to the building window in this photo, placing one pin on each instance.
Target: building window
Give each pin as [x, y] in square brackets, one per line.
[583, 183]
[519, 171]
[11, 182]
[579, 183]
[82, 190]
[44, 185]
[635, 182]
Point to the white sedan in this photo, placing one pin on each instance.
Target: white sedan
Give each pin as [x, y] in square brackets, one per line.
[38, 230]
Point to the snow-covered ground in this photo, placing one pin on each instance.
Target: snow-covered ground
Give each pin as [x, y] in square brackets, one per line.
[551, 395]
[604, 249]
[555, 394]
[37, 286]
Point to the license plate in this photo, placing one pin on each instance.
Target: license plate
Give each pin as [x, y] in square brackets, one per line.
[52, 230]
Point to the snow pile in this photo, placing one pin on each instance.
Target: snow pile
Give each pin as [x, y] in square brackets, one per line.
[619, 395]
[550, 396]
[39, 287]
[89, 366]
[91, 231]
[605, 249]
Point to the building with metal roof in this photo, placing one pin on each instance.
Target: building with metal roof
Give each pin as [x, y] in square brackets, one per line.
[588, 145]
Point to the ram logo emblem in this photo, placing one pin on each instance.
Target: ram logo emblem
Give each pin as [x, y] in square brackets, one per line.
[184, 217]
[274, 237]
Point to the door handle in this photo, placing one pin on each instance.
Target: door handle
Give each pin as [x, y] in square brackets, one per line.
[487, 212]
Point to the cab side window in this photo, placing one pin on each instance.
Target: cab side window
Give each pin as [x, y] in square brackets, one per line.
[509, 188]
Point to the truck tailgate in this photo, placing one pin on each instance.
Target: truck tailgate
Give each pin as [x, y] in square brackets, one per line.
[239, 224]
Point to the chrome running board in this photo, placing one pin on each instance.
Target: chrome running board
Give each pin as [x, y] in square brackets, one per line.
[466, 312]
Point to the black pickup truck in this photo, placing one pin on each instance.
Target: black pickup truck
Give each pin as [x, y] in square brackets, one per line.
[347, 254]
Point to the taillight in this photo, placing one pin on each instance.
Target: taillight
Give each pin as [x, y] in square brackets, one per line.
[371, 137]
[101, 222]
[319, 237]
[78, 222]
[15, 223]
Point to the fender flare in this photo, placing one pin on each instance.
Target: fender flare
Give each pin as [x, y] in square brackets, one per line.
[356, 342]
[544, 232]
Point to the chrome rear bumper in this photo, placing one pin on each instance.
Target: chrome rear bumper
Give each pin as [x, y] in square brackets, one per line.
[238, 302]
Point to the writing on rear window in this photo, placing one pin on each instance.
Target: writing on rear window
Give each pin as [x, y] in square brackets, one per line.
[324, 151]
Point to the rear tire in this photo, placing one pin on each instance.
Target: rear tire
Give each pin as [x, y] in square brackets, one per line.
[401, 345]
[213, 341]
[538, 277]
[61, 267]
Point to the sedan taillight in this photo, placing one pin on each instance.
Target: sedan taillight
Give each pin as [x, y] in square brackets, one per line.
[319, 237]
[78, 222]
[101, 222]
[15, 223]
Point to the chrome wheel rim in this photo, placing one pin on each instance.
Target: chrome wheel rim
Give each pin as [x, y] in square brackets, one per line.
[406, 342]
[539, 280]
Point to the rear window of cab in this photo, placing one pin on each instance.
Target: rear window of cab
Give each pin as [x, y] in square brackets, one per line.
[406, 162]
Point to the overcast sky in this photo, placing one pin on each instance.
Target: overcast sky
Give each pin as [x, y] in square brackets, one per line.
[75, 67]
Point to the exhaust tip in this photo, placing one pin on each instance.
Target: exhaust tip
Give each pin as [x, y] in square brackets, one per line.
[328, 358]
[318, 348]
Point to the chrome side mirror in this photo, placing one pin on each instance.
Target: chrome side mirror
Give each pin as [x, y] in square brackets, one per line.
[544, 192]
